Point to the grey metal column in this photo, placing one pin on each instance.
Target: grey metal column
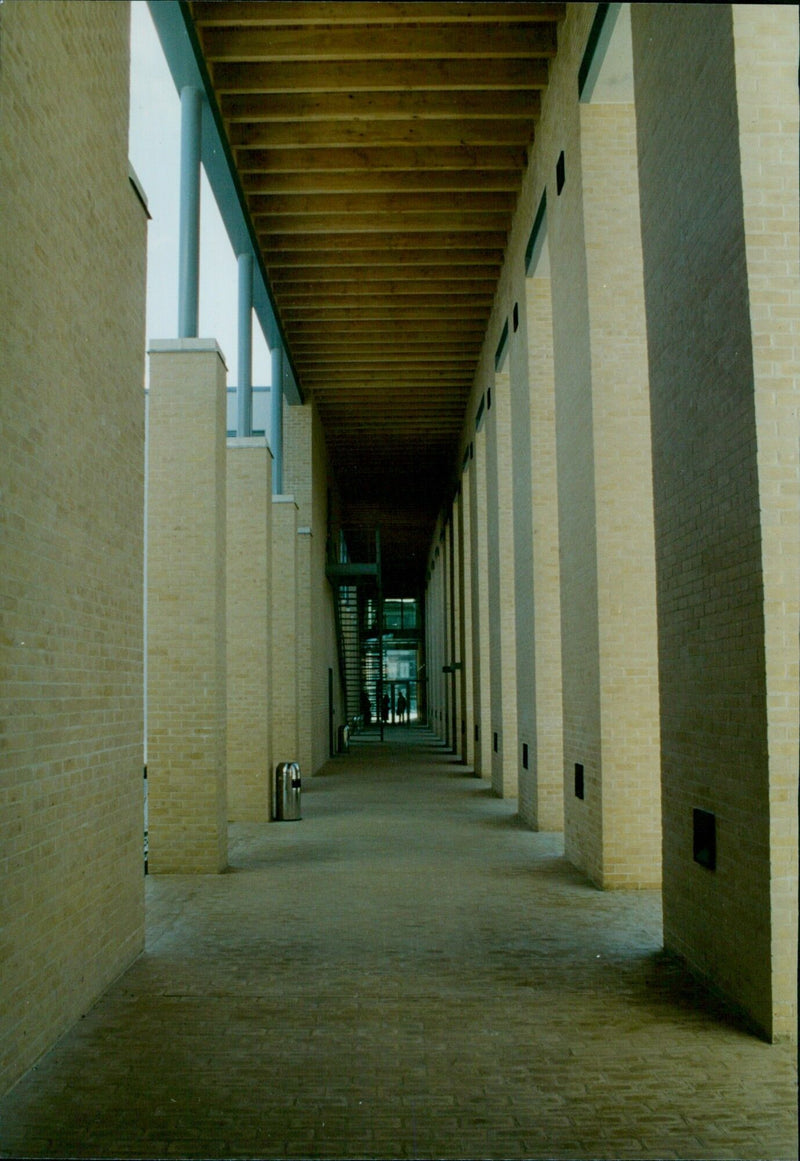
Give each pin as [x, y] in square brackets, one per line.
[244, 391]
[276, 399]
[189, 228]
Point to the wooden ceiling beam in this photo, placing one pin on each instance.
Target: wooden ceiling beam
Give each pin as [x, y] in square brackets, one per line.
[311, 314]
[378, 42]
[370, 158]
[358, 330]
[292, 12]
[458, 303]
[426, 378]
[384, 104]
[380, 181]
[313, 262]
[370, 75]
[451, 131]
[382, 203]
[370, 288]
[402, 240]
[308, 275]
[379, 223]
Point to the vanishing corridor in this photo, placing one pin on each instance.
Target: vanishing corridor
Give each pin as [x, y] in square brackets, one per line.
[406, 972]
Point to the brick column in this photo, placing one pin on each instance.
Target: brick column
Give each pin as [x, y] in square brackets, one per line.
[464, 625]
[186, 687]
[284, 701]
[716, 104]
[481, 683]
[502, 616]
[536, 563]
[249, 592]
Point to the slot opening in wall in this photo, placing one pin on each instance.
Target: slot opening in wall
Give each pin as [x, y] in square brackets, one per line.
[516, 317]
[524, 755]
[579, 790]
[477, 732]
[495, 742]
[560, 172]
[704, 838]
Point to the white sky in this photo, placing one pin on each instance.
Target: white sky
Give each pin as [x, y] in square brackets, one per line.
[154, 149]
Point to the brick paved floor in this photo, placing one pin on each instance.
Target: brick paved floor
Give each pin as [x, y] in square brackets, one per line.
[405, 973]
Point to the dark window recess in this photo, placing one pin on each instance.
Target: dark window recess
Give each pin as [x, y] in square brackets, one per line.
[477, 732]
[516, 316]
[560, 173]
[488, 398]
[524, 755]
[704, 838]
[463, 727]
[579, 780]
[495, 743]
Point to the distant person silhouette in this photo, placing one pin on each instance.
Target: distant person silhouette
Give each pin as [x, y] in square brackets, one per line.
[401, 707]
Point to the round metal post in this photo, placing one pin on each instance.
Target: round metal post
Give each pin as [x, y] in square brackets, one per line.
[244, 391]
[189, 228]
[276, 399]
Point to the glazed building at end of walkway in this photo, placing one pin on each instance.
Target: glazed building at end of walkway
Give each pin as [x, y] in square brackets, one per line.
[611, 611]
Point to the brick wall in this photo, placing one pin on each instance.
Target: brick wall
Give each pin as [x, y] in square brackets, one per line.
[72, 288]
[502, 613]
[249, 627]
[722, 365]
[283, 702]
[766, 51]
[306, 476]
[186, 610]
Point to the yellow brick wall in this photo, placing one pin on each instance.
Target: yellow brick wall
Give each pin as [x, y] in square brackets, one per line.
[481, 684]
[546, 567]
[630, 746]
[249, 627]
[306, 476]
[72, 288]
[186, 613]
[721, 292]
[283, 701]
[766, 52]
[502, 612]
[464, 582]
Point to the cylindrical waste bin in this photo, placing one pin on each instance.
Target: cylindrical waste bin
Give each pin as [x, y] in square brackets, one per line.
[287, 792]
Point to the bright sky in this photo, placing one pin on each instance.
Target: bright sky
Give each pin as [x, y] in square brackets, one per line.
[154, 149]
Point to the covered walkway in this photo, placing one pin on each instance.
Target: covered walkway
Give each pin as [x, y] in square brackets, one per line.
[405, 973]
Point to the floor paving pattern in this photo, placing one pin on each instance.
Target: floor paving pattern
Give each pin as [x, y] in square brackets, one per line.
[405, 973]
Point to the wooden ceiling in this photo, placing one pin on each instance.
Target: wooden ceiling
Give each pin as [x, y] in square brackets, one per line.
[381, 148]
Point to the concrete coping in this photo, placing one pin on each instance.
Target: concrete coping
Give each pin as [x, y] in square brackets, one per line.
[184, 347]
[284, 500]
[304, 531]
[249, 442]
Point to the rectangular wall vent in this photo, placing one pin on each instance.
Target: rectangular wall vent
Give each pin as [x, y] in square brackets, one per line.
[704, 838]
[579, 780]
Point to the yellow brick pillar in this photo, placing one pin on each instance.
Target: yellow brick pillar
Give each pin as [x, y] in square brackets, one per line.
[721, 288]
[249, 627]
[186, 688]
[536, 562]
[766, 50]
[608, 611]
[464, 628]
[284, 701]
[481, 673]
[502, 615]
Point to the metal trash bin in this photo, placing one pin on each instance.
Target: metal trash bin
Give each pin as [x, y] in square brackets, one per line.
[287, 792]
[344, 739]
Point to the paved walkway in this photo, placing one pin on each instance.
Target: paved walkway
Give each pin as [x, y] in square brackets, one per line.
[405, 973]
